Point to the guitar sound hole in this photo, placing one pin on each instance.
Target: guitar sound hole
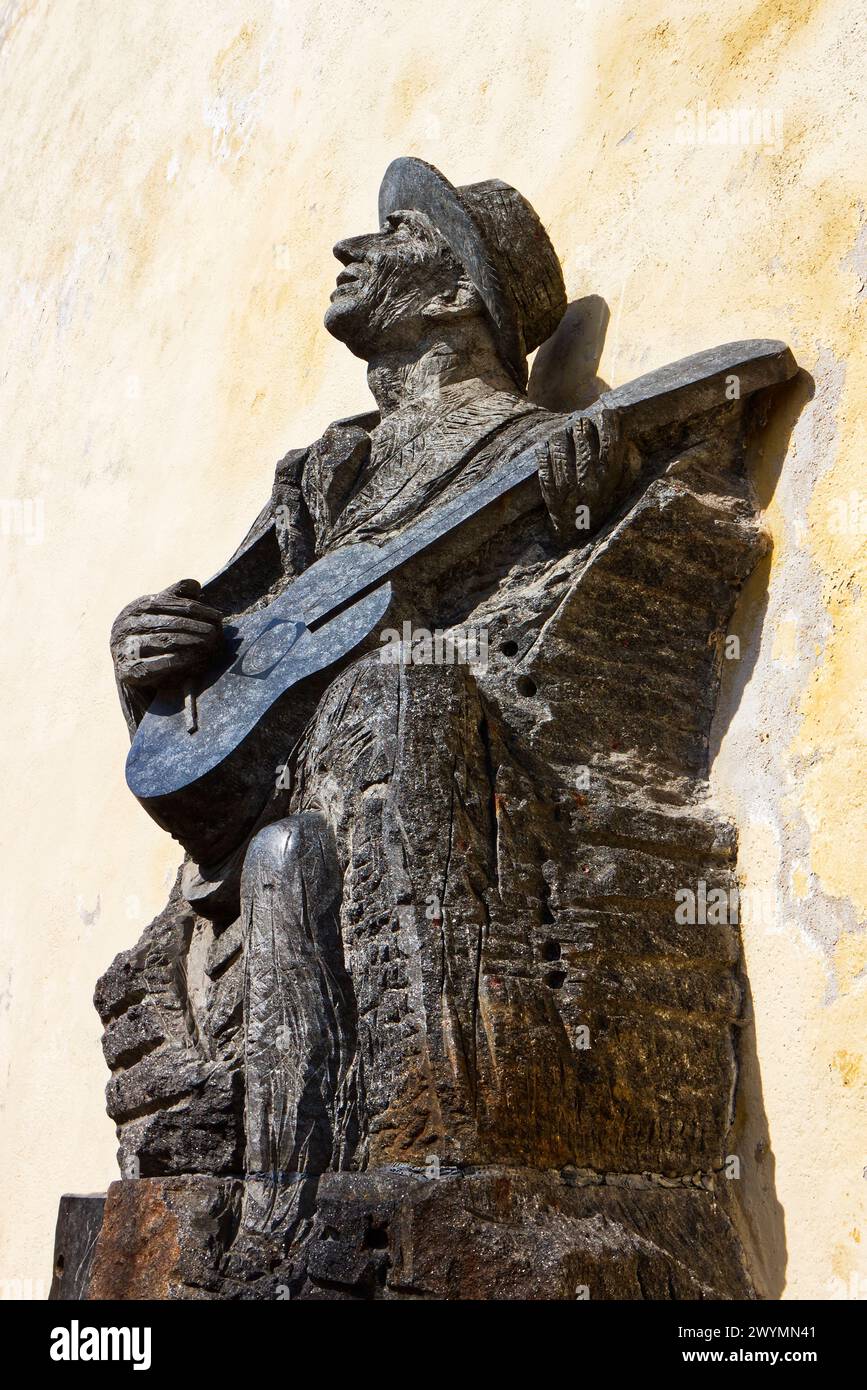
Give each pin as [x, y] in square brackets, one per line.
[526, 686]
[509, 648]
[268, 649]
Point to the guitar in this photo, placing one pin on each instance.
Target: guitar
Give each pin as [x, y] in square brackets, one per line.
[337, 603]
[320, 618]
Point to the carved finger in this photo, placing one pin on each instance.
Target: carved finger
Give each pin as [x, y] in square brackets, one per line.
[154, 643]
[558, 482]
[166, 603]
[155, 670]
[139, 624]
[185, 588]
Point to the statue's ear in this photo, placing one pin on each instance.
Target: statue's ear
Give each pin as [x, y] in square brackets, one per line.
[459, 301]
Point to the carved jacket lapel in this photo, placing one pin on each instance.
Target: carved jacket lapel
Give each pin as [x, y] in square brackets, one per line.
[410, 470]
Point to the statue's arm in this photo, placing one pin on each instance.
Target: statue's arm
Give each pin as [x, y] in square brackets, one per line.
[292, 521]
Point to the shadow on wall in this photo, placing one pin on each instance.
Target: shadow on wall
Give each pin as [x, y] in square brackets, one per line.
[766, 454]
[564, 375]
[759, 1214]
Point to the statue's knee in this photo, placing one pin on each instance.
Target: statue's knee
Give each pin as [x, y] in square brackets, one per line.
[276, 847]
[293, 855]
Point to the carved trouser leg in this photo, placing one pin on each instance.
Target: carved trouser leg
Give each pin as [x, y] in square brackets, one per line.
[465, 1056]
[299, 1015]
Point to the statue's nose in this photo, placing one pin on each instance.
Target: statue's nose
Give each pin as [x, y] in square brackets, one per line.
[351, 248]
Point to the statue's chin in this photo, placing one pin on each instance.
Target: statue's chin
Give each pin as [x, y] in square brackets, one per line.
[344, 323]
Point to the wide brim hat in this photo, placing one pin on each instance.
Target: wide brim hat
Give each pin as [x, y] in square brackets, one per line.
[502, 246]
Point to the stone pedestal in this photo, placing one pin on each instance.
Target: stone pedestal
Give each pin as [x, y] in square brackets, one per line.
[391, 1234]
[79, 1221]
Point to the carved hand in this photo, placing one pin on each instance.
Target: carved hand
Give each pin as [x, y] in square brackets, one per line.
[163, 638]
[580, 473]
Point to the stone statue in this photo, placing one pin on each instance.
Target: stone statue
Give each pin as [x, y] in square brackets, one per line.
[420, 1017]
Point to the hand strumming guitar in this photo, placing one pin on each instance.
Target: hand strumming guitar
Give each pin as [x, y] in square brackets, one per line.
[162, 639]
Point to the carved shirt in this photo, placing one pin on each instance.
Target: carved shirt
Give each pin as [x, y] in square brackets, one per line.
[369, 486]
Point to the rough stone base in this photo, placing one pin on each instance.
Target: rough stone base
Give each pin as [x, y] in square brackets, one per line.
[389, 1234]
[79, 1220]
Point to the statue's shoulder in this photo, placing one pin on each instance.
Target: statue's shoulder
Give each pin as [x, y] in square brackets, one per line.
[501, 419]
[279, 542]
[291, 467]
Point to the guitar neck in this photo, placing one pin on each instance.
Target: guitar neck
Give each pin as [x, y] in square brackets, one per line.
[425, 532]
[661, 397]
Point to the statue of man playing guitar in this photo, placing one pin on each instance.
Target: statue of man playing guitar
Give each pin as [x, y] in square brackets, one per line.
[366, 917]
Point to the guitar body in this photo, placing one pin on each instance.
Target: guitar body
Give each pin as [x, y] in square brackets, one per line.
[203, 761]
[219, 739]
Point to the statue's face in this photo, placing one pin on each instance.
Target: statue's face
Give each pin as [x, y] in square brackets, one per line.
[389, 279]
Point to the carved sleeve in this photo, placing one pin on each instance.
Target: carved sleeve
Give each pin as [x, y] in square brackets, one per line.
[290, 512]
[336, 465]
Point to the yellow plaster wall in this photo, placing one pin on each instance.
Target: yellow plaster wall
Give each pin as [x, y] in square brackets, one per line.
[174, 175]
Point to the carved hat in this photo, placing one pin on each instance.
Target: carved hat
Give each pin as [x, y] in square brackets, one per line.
[501, 244]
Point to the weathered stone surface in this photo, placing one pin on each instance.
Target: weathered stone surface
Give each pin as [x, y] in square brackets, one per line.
[162, 1238]
[494, 1234]
[175, 1096]
[79, 1222]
